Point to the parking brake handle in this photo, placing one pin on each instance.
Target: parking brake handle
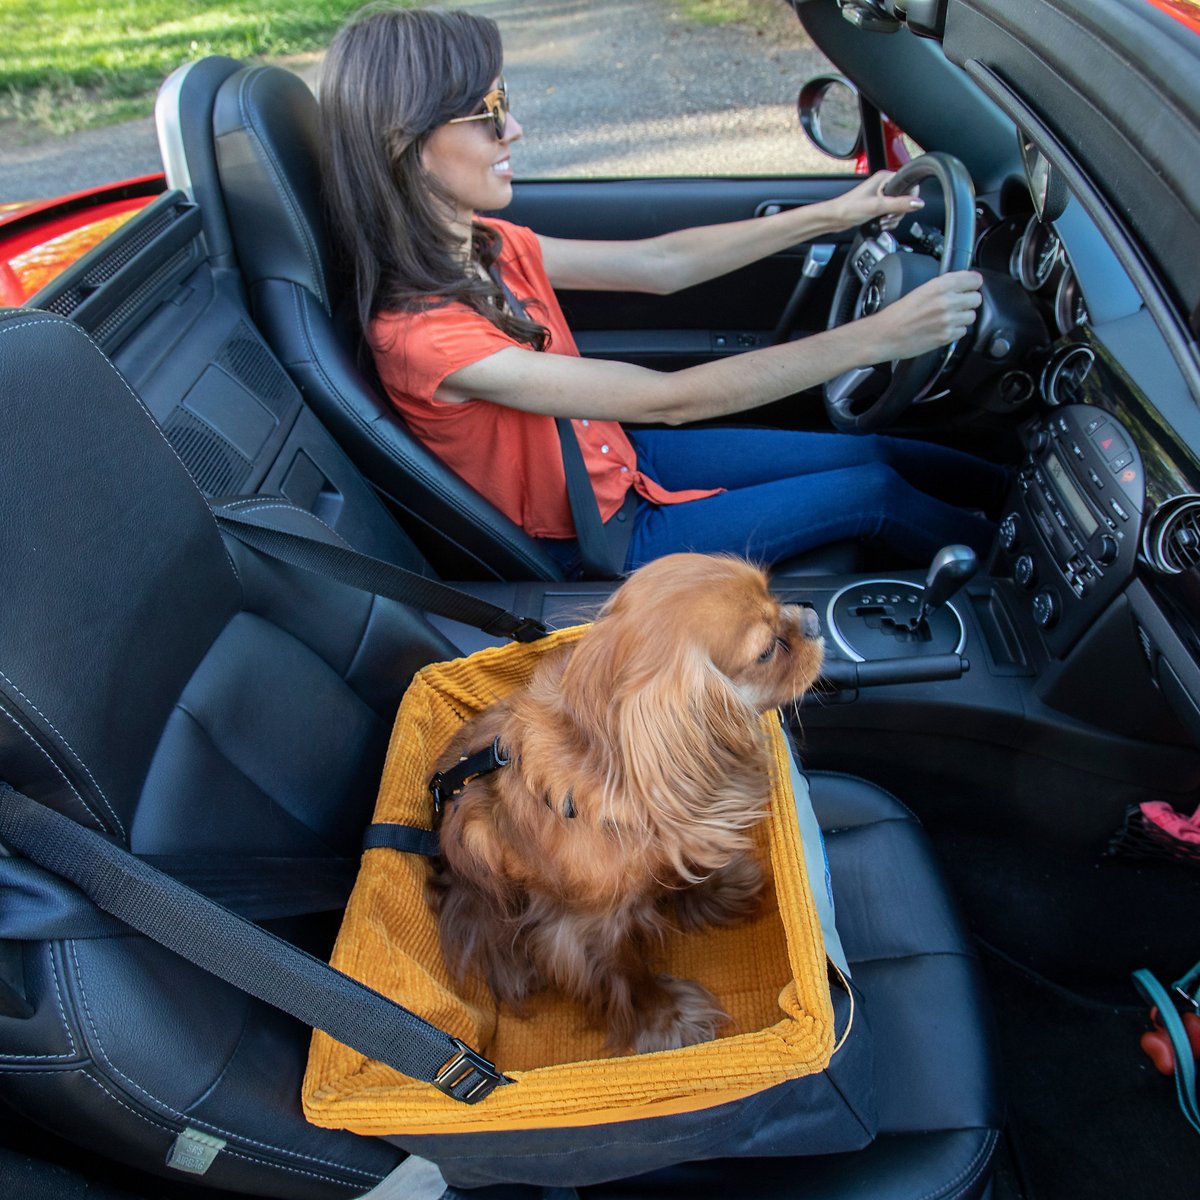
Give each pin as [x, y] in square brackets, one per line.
[840, 673]
[815, 261]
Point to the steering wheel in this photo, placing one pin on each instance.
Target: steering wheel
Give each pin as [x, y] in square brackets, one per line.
[877, 273]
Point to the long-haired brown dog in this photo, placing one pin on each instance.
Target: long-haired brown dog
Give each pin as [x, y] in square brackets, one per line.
[637, 764]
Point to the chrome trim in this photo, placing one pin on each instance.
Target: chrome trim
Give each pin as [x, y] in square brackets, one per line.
[853, 655]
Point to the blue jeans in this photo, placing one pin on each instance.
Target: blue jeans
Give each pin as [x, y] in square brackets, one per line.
[790, 491]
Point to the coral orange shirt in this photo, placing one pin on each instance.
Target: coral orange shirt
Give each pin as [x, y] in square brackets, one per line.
[510, 456]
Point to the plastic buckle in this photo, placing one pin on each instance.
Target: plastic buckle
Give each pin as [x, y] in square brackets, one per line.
[467, 1077]
[435, 790]
[528, 630]
[520, 629]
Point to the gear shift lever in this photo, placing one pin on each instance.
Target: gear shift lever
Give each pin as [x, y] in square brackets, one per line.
[952, 566]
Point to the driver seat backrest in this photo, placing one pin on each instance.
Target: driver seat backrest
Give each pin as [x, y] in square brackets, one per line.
[243, 141]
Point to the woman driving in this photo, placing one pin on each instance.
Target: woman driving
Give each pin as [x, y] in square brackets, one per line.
[473, 349]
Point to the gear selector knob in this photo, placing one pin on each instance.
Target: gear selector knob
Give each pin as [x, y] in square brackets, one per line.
[952, 566]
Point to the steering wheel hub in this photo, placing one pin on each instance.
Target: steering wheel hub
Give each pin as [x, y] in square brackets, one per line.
[878, 273]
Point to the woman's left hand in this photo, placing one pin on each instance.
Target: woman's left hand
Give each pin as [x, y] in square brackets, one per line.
[867, 201]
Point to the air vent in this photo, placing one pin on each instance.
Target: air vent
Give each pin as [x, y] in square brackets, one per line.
[1172, 539]
[1063, 378]
[213, 463]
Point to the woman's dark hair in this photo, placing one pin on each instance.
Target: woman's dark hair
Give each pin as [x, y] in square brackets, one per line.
[390, 77]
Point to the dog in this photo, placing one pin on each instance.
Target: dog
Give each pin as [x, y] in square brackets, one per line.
[637, 764]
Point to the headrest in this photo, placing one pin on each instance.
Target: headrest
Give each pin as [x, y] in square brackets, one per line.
[268, 159]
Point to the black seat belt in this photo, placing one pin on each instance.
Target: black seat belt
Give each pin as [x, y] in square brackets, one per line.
[242, 953]
[230, 946]
[601, 548]
[374, 575]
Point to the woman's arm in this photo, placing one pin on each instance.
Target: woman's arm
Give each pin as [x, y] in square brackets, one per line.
[558, 385]
[673, 261]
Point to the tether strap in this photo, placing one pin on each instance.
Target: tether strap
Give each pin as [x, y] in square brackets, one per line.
[601, 558]
[242, 953]
[449, 784]
[409, 839]
[378, 577]
[1185, 1062]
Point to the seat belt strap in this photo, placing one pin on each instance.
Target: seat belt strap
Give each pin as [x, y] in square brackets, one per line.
[241, 953]
[374, 575]
[40, 906]
[600, 557]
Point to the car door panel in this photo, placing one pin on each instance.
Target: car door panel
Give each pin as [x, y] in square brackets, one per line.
[729, 315]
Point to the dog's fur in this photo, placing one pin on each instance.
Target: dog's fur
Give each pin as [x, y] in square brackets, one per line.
[638, 764]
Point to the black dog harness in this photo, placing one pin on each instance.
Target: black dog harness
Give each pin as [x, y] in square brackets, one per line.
[450, 784]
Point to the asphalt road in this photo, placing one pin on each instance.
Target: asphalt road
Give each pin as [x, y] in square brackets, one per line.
[608, 88]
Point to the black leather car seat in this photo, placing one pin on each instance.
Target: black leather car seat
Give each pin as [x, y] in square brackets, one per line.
[243, 141]
[184, 696]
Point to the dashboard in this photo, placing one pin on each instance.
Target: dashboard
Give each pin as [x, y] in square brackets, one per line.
[1106, 500]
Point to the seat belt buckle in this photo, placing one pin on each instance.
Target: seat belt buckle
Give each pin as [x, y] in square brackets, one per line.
[520, 629]
[467, 1076]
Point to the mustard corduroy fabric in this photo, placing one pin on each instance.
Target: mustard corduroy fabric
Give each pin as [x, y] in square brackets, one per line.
[770, 974]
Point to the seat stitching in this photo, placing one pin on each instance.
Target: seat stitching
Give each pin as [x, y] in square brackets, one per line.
[70, 325]
[188, 1118]
[859, 779]
[61, 774]
[62, 737]
[266, 503]
[267, 158]
[225, 1149]
[972, 1169]
[62, 1013]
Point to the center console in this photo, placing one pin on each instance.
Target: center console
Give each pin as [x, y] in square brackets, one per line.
[1070, 537]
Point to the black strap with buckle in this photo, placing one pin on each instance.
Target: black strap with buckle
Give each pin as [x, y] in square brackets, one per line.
[449, 784]
[467, 1076]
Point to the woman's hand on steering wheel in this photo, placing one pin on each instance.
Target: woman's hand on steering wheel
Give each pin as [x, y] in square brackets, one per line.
[866, 202]
[933, 315]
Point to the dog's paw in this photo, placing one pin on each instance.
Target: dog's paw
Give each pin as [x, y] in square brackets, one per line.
[684, 1013]
[731, 894]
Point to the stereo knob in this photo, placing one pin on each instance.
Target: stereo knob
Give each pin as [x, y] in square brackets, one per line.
[1046, 609]
[1025, 571]
[1107, 550]
[1010, 532]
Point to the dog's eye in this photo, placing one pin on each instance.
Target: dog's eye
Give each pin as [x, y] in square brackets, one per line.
[769, 652]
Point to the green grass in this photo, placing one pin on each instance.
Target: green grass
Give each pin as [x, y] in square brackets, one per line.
[757, 13]
[70, 64]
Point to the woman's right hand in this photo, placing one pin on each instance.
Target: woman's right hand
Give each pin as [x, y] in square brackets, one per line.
[935, 314]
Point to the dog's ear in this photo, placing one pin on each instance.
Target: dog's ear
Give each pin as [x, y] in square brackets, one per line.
[671, 723]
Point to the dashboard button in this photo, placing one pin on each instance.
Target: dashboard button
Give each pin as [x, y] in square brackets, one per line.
[1110, 441]
[1046, 610]
[1120, 512]
[1010, 531]
[1120, 462]
[1025, 571]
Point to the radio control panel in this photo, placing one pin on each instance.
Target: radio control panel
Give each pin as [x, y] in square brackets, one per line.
[1071, 532]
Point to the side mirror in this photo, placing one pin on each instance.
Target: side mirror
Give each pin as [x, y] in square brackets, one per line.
[831, 117]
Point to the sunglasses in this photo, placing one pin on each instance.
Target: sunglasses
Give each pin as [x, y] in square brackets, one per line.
[495, 109]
